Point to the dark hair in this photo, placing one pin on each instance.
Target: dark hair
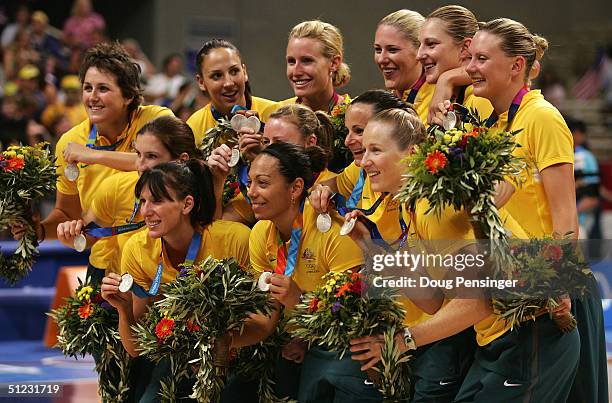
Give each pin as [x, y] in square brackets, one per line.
[112, 58]
[169, 58]
[176, 136]
[576, 125]
[298, 162]
[309, 122]
[191, 177]
[216, 44]
[381, 100]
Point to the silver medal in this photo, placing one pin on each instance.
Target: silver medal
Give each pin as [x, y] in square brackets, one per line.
[71, 172]
[234, 158]
[126, 282]
[450, 120]
[324, 222]
[253, 123]
[262, 284]
[348, 226]
[80, 243]
[238, 121]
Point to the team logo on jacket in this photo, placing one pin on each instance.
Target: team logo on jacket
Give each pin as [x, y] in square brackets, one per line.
[308, 254]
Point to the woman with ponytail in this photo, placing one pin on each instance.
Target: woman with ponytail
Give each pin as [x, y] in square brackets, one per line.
[315, 69]
[177, 205]
[286, 242]
[292, 123]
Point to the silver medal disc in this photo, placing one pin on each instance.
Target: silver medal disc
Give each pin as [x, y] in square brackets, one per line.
[262, 284]
[348, 226]
[71, 172]
[234, 158]
[80, 243]
[324, 222]
[450, 120]
[253, 123]
[238, 121]
[126, 282]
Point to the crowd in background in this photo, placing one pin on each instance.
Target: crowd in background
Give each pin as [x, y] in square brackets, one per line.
[40, 91]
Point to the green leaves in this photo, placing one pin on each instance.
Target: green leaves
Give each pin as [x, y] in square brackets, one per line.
[202, 305]
[19, 188]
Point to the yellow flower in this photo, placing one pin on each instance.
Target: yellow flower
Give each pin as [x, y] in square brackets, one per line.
[10, 154]
[447, 138]
[456, 137]
[84, 293]
[20, 156]
[328, 288]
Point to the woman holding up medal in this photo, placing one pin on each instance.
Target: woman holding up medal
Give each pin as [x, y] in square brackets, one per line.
[315, 68]
[293, 253]
[396, 44]
[292, 123]
[177, 205]
[114, 206]
[222, 74]
[111, 95]
[353, 184]
[440, 362]
[503, 52]
[445, 39]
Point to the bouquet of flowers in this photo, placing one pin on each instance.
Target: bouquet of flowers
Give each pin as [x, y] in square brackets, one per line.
[545, 269]
[27, 175]
[88, 325]
[191, 325]
[341, 152]
[338, 312]
[460, 167]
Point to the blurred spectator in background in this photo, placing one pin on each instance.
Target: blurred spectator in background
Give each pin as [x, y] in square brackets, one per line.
[19, 53]
[46, 41]
[552, 88]
[586, 175]
[163, 87]
[22, 21]
[28, 82]
[66, 104]
[80, 28]
[13, 123]
[132, 47]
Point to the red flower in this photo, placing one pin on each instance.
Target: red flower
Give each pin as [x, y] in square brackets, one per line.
[314, 305]
[192, 327]
[466, 137]
[14, 164]
[234, 185]
[435, 161]
[358, 287]
[85, 310]
[356, 276]
[345, 287]
[164, 328]
[552, 252]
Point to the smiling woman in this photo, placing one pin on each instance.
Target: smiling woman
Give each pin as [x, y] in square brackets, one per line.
[111, 94]
[222, 74]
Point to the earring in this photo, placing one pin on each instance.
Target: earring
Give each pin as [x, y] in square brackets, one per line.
[292, 200]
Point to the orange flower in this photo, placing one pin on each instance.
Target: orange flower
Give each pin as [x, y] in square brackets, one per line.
[435, 161]
[345, 287]
[552, 252]
[164, 328]
[14, 164]
[85, 310]
[466, 137]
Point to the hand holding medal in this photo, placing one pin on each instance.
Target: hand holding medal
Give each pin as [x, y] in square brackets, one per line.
[240, 122]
